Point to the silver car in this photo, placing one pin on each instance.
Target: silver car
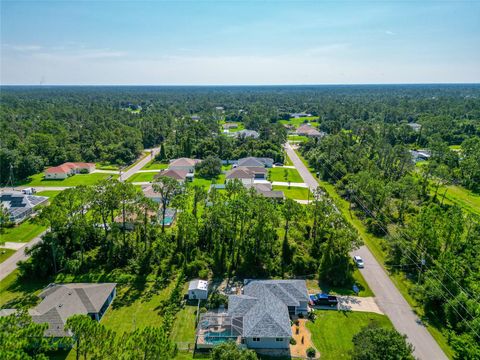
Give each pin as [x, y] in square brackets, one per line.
[358, 261]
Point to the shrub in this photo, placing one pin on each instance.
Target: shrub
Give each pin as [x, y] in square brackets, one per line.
[311, 352]
[293, 341]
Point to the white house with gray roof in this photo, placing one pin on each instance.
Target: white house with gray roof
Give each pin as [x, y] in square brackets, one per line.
[259, 318]
[61, 301]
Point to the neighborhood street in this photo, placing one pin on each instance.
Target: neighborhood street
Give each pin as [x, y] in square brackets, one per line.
[387, 296]
[140, 164]
[10, 264]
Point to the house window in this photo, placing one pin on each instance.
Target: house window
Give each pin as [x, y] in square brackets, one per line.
[256, 339]
[278, 339]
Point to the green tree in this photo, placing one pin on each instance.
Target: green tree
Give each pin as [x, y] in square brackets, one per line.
[377, 343]
[167, 188]
[209, 168]
[229, 350]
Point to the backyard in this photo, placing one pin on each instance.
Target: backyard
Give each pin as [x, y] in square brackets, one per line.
[284, 174]
[333, 331]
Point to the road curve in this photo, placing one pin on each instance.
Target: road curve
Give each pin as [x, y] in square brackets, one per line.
[387, 296]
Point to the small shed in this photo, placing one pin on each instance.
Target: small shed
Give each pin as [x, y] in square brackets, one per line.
[198, 289]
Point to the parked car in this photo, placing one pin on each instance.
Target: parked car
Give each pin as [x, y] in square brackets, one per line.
[313, 299]
[358, 261]
[278, 164]
[326, 300]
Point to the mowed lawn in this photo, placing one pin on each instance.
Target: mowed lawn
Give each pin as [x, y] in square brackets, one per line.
[206, 183]
[142, 177]
[154, 165]
[75, 180]
[284, 174]
[462, 197]
[299, 121]
[364, 290]
[49, 193]
[136, 306]
[14, 291]
[296, 193]
[184, 326]
[333, 331]
[24, 232]
[5, 254]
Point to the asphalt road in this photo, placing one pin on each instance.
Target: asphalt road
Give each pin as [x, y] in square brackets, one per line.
[387, 296]
[10, 264]
[130, 172]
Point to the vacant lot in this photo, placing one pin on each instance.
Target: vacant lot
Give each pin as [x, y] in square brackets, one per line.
[154, 165]
[284, 174]
[333, 331]
[75, 180]
[136, 305]
[206, 183]
[296, 193]
[299, 121]
[142, 177]
[24, 232]
[462, 197]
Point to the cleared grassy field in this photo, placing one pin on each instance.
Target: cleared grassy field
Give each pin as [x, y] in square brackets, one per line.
[154, 165]
[106, 166]
[297, 138]
[184, 327]
[49, 193]
[24, 232]
[142, 177]
[75, 180]
[333, 331]
[365, 291]
[206, 183]
[296, 193]
[462, 197]
[284, 174]
[135, 306]
[299, 121]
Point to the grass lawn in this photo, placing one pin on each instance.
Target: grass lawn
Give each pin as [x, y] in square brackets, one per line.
[154, 165]
[75, 180]
[49, 193]
[462, 197]
[206, 183]
[288, 161]
[226, 167]
[296, 193]
[333, 331]
[240, 126]
[299, 121]
[106, 166]
[184, 327]
[142, 177]
[135, 306]
[24, 232]
[365, 291]
[14, 291]
[5, 254]
[297, 138]
[278, 174]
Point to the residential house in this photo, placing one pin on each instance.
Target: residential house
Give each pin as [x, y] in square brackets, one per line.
[61, 301]
[180, 175]
[415, 126]
[241, 173]
[265, 189]
[255, 162]
[310, 131]
[228, 126]
[420, 155]
[183, 164]
[198, 289]
[68, 169]
[246, 133]
[150, 193]
[259, 318]
[20, 206]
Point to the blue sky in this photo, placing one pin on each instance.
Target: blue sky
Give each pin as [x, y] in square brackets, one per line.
[239, 42]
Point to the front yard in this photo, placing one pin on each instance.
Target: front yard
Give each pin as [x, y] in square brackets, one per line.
[24, 232]
[75, 180]
[333, 331]
[154, 165]
[142, 177]
[365, 291]
[284, 174]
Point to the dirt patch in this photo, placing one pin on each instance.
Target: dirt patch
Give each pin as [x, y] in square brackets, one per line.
[303, 339]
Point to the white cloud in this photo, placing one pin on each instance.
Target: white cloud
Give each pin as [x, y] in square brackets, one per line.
[388, 32]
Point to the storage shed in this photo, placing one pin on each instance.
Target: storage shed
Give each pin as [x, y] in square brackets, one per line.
[198, 289]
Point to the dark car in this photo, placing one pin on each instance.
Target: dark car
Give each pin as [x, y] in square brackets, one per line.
[278, 164]
[313, 299]
[326, 300]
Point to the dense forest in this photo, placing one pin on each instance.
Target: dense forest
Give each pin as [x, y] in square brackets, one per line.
[235, 232]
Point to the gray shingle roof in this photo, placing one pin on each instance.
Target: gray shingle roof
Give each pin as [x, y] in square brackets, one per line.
[263, 306]
[60, 301]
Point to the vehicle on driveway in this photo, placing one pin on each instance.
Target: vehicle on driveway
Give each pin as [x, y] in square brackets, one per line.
[358, 261]
[324, 300]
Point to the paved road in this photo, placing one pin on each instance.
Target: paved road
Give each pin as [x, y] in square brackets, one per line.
[388, 298]
[10, 264]
[127, 174]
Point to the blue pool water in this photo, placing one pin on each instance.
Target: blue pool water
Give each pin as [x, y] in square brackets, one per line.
[212, 337]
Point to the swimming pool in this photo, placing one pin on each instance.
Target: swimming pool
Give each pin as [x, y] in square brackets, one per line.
[213, 337]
